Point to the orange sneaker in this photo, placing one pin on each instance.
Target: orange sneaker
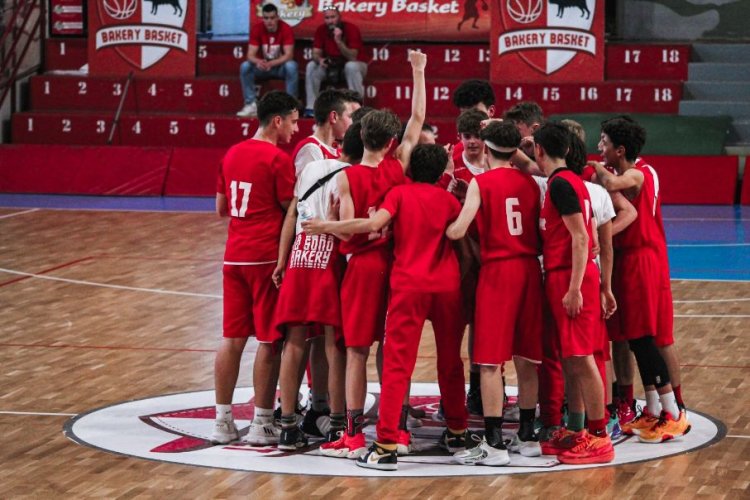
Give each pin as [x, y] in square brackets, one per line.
[345, 447]
[559, 441]
[644, 421]
[589, 449]
[666, 428]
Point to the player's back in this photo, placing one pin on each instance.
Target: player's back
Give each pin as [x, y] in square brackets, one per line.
[256, 177]
[647, 230]
[508, 218]
[368, 187]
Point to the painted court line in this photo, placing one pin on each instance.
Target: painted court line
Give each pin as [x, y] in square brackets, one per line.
[707, 245]
[36, 413]
[737, 437]
[105, 347]
[710, 301]
[38, 275]
[712, 315]
[8, 216]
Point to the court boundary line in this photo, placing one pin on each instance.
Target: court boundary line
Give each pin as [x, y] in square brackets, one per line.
[8, 216]
[39, 274]
[37, 413]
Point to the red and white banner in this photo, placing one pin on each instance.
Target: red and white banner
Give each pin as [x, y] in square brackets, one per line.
[547, 40]
[151, 37]
[391, 20]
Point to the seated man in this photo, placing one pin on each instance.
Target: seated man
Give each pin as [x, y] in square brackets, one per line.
[270, 55]
[337, 47]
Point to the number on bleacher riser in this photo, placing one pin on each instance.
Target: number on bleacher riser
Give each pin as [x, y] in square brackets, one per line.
[371, 91]
[238, 52]
[381, 54]
[245, 129]
[403, 92]
[202, 52]
[484, 55]
[152, 90]
[511, 93]
[29, 124]
[623, 94]
[441, 94]
[101, 126]
[224, 90]
[62, 48]
[46, 87]
[82, 88]
[137, 127]
[632, 56]
[66, 126]
[589, 94]
[117, 89]
[551, 94]
[670, 56]
[187, 90]
[307, 53]
[452, 55]
[174, 128]
[663, 95]
[210, 128]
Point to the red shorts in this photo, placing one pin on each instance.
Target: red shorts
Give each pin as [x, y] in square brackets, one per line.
[604, 339]
[644, 297]
[508, 317]
[364, 297]
[579, 336]
[250, 302]
[309, 293]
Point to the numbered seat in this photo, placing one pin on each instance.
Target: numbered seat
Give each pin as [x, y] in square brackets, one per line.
[647, 62]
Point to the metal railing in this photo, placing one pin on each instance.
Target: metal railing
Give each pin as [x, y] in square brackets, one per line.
[22, 28]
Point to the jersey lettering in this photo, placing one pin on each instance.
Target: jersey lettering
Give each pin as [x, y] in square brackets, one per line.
[245, 187]
[513, 217]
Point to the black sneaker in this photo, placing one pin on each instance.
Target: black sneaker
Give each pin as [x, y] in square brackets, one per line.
[334, 435]
[292, 439]
[474, 402]
[316, 423]
[277, 413]
[379, 458]
[454, 442]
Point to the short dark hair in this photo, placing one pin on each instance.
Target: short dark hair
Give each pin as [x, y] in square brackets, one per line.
[269, 7]
[503, 134]
[626, 132]
[472, 92]
[576, 157]
[333, 100]
[276, 103]
[352, 145]
[360, 113]
[554, 138]
[378, 128]
[427, 163]
[527, 112]
[470, 121]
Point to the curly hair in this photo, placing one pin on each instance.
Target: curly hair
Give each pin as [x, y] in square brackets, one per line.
[472, 92]
[626, 132]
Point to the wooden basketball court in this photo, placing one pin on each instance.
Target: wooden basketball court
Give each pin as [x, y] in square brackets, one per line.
[126, 305]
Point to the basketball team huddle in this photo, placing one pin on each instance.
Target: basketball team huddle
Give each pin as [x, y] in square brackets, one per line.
[370, 228]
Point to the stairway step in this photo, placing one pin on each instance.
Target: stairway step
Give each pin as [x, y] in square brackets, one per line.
[735, 109]
[722, 52]
[717, 91]
[712, 72]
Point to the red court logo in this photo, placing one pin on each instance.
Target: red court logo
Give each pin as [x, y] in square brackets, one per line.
[142, 32]
[547, 34]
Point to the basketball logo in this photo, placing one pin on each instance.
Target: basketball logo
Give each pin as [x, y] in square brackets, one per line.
[120, 9]
[525, 11]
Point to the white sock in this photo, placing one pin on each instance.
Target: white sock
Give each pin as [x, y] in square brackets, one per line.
[263, 415]
[224, 412]
[669, 404]
[652, 402]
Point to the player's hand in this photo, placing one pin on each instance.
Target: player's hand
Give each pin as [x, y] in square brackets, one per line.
[596, 250]
[449, 167]
[486, 122]
[323, 62]
[278, 274]
[527, 145]
[338, 34]
[573, 303]
[459, 189]
[417, 59]
[314, 226]
[609, 304]
[263, 65]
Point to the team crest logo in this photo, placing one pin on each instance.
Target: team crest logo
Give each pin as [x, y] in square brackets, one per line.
[291, 12]
[547, 34]
[142, 32]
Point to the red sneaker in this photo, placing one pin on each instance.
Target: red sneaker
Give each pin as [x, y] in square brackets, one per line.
[561, 440]
[403, 445]
[589, 449]
[625, 412]
[346, 447]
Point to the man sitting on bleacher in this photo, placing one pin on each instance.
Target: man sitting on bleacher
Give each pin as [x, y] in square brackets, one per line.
[337, 51]
[270, 55]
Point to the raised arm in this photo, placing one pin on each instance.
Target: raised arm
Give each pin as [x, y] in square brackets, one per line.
[458, 228]
[418, 62]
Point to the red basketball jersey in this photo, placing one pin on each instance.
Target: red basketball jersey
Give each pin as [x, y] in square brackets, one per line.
[313, 150]
[508, 218]
[647, 230]
[368, 187]
[556, 240]
[256, 177]
[424, 259]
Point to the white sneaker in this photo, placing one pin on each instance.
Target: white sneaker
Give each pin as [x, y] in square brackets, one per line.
[225, 431]
[262, 434]
[413, 422]
[484, 454]
[525, 448]
[512, 413]
[248, 111]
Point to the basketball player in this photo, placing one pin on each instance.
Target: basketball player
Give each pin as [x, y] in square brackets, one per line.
[641, 280]
[254, 187]
[572, 289]
[424, 285]
[364, 290]
[508, 317]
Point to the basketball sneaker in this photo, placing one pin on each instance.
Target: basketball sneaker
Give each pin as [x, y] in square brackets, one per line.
[262, 434]
[625, 412]
[404, 443]
[378, 458]
[292, 439]
[474, 402]
[511, 413]
[225, 431]
[345, 447]
[453, 442]
[334, 435]
[484, 454]
[588, 449]
[644, 421]
[558, 441]
[666, 428]
[248, 110]
[316, 423]
[613, 426]
[528, 447]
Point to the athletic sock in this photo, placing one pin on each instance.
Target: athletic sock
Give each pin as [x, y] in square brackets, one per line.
[224, 412]
[493, 431]
[526, 424]
[355, 421]
[338, 421]
[288, 421]
[652, 403]
[404, 416]
[598, 427]
[677, 389]
[615, 390]
[575, 421]
[320, 402]
[626, 393]
[473, 381]
[669, 404]
[263, 415]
